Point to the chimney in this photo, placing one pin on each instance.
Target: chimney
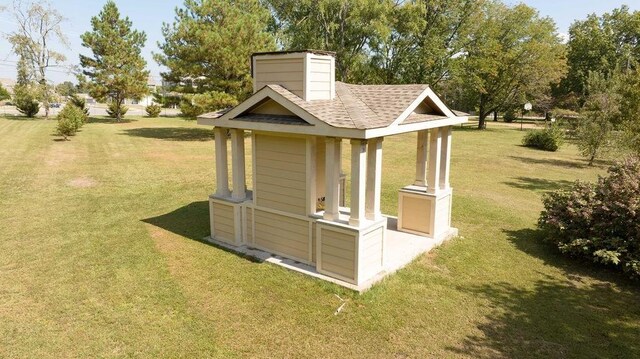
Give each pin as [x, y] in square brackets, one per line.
[309, 74]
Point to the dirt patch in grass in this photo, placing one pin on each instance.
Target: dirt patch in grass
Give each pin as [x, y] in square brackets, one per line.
[82, 182]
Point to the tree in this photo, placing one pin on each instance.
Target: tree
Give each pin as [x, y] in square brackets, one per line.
[116, 70]
[4, 94]
[25, 92]
[207, 50]
[512, 55]
[38, 27]
[600, 112]
[425, 39]
[66, 89]
[350, 28]
[601, 44]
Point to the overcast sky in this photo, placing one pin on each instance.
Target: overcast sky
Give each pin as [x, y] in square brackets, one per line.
[148, 16]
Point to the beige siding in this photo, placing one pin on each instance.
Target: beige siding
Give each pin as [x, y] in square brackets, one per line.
[442, 213]
[338, 252]
[282, 235]
[223, 222]
[319, 80]
[288, 73]
[416, 213]
[249, 222]
[370, 260]
[281, 173]
[313, 242]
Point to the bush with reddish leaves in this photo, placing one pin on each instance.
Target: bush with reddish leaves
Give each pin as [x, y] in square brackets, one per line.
[599, 221]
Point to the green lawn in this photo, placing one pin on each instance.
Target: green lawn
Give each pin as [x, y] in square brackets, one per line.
[101, 256]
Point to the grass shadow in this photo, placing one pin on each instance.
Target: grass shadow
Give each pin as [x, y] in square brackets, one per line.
[538, 184]
[172, 133]
[108, 120]
[549, 162]
[554, 319]
[191, 222]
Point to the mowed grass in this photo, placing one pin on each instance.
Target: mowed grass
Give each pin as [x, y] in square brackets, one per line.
[101, 256]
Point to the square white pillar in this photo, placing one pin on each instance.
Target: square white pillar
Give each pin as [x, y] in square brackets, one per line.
[332, 178]
[433, 168]
[374, 179]
[222, 166]
[445, 158]
[421, 158]
[238, 178]
[358, 180]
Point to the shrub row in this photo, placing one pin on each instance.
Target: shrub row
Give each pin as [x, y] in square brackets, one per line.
[598, 221]
[72, 116]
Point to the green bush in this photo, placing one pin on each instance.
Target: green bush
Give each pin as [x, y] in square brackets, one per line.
[24, 97]
[70, 119]
[549, 139]
[509, 116]
[153, 110]
[80, 103]
[598, 221]
[115, 111]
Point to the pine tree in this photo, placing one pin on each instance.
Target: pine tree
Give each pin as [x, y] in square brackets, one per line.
[25, 91]
[116, 70]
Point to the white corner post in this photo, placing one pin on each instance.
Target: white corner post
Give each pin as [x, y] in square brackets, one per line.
[433, 169]
[222, 174]
[445, 158]
[358, 181]
[237, 165]
[374, 179]
[332, 178]
[421, 158]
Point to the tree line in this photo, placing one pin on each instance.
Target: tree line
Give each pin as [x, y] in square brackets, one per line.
[480, 55]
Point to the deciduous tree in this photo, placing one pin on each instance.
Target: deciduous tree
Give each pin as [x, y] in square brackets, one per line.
[116, 69]
[511, 56]
[38, 27]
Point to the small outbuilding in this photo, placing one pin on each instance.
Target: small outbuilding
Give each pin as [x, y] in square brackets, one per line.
[298, 119]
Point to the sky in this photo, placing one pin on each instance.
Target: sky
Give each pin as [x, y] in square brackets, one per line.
[148, 16]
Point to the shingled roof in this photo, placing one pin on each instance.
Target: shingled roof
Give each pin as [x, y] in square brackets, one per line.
[355, 106]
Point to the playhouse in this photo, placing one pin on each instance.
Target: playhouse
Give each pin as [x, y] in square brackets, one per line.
[298, 120]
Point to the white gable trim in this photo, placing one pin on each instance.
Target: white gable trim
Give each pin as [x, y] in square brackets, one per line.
[427, 93]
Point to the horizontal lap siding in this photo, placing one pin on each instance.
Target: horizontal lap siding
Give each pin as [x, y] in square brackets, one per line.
[371, 252]
[281, 173]
[249, 221]
[282, 234]
[319, 81]
[338, 251]
[223, 222]
[288, 73]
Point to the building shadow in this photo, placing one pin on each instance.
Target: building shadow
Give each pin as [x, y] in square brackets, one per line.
[557, 317]
[191, 222]
[538, 184]
[172, 133]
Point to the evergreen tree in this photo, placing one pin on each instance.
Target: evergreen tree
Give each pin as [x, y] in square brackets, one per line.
[207, 51]
[116, 70]
[25, 92]
[4, 94]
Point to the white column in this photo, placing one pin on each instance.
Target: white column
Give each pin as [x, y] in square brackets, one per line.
[358, 180]
[237, 165]
[374, 179]
[222, 168]
[421, 158]
[433, 169]
[332, 178]
[445, 158]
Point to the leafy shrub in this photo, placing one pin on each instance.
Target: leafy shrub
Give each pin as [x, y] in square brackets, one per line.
[70, 119]
[24, 97]
[116, 111]
[549, 139]
[509, 116]
[598, 221]
[153, 110]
